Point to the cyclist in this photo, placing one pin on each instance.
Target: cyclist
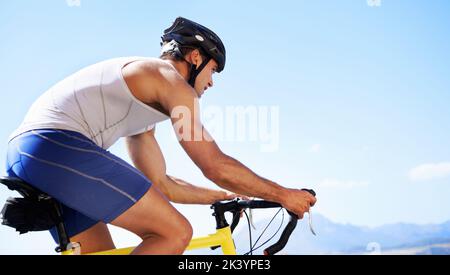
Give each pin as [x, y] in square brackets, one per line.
[61, 147]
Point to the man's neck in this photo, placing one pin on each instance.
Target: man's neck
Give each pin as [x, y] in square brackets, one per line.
[181, 67]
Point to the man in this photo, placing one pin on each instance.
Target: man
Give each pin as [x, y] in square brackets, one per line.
[61, 147]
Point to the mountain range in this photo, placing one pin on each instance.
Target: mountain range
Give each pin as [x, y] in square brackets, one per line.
[336, 238]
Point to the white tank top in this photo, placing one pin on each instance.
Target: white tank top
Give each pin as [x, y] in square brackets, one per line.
[95, 102]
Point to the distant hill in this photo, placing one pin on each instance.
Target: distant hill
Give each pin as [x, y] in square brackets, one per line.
[335, 238]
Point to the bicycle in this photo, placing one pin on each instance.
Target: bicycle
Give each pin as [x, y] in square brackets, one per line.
[37, 211]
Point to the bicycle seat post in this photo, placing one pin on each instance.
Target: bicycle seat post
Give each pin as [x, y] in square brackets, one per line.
[61, 229]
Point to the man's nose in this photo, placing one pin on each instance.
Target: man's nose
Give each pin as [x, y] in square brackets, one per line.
[210, 83]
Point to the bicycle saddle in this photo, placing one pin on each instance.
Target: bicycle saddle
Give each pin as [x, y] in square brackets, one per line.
[24, 188]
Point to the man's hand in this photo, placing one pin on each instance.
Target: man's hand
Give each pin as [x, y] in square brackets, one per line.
[298, 201]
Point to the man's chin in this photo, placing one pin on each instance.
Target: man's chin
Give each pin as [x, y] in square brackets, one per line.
[198, 92]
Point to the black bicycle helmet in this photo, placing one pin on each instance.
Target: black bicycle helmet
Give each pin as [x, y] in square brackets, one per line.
[187, 33]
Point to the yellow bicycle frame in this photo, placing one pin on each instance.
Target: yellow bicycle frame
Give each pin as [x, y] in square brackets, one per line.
[222, 238]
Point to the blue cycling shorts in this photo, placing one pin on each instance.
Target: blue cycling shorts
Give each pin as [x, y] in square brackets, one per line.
[92, 184]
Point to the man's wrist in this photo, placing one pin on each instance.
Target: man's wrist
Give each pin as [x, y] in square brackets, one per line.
[280, 195]
[218, 196]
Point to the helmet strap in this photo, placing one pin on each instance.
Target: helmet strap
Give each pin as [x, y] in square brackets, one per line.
[194, 72]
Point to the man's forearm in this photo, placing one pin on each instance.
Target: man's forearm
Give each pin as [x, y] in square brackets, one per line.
[234, 176]
[180, 191]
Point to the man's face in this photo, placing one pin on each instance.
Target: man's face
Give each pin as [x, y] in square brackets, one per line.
[204, 79]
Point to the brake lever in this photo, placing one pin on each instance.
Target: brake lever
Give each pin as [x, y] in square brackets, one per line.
[311, 228]
[250, 217]
[310, 222]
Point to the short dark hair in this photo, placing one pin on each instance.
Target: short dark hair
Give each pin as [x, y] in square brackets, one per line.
[184, 51]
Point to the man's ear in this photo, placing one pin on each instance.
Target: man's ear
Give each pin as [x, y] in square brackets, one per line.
[196, 58]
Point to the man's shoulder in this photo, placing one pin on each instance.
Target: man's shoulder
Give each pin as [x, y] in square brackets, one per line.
[152, 78]
[154, 69]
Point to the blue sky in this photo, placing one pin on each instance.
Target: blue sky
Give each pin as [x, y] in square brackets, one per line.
[363, 92]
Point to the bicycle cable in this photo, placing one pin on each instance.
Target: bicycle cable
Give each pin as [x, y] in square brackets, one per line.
[281, 225]
[260, 236]
[249, 231]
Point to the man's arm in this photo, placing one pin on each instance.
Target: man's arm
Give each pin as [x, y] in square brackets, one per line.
[187, 193]
[181, 100]
[147, 157]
